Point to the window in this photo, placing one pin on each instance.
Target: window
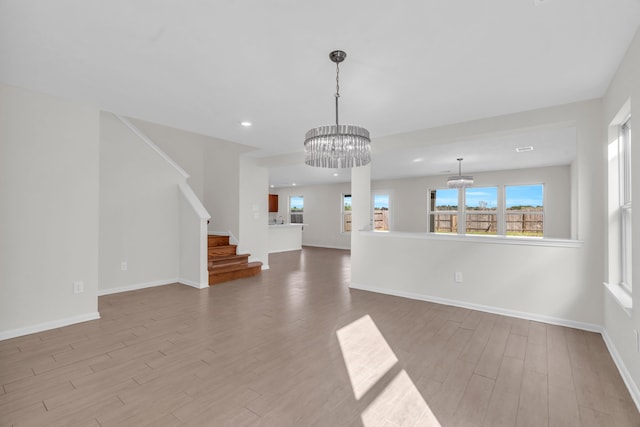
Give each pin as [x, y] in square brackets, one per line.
[381, 212]
[481, 207]
[346, 213]
[619, 253]
[525, 210]
[624, 160]
[511, 210]
[296, 208]
[443, 215]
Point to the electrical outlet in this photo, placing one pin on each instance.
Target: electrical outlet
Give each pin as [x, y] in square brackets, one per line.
[123, 266]
[458, 277]
[78, 287]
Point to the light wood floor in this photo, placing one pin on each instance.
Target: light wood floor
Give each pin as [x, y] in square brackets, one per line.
[295, 347]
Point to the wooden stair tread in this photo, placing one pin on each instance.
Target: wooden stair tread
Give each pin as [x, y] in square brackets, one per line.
[228, 260]
[234, 259]
[229, 257]
[234, 267]
[226, 250]
[217, 240]
[213, 248]
[233, 272]
[225, 264]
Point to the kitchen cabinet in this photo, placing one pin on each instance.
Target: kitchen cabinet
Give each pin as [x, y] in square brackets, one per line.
[273, 203]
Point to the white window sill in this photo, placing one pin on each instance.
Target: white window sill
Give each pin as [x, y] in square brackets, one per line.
[621, 296]
[499, 240]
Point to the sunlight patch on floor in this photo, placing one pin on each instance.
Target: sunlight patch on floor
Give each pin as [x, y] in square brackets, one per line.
[368, 359]
[399, 404]
[366, 354]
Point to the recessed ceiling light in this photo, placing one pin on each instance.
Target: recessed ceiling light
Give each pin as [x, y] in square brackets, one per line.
[335, 174]
[418, 160]
[524, 149]
[272, 186]
[294, 184]
[245, 124]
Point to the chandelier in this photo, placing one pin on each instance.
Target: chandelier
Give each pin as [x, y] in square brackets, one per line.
[459, 181]
[337, 146]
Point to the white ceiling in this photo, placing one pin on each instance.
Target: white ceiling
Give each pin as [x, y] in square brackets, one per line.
[551, 147]
[205, 66]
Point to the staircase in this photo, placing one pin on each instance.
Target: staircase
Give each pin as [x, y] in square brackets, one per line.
[225, 264]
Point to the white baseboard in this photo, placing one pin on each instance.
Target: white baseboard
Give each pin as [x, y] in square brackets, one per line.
[488, 309]
[193, 284]
[285, 250]
[622, 368]
[136, 286]
[344, 248]
[41, 327]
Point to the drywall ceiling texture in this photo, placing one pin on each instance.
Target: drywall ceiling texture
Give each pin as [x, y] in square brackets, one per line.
[206, 66]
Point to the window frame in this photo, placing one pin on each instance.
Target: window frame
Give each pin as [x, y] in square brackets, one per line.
[624, 208]
[301, 212]
[389, 195]
[344, 212]
[431, 212]
[543, 212]
[500, 211]
[495, 212]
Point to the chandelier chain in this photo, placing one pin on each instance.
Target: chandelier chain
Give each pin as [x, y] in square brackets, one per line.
[337, 92]
[337, 80]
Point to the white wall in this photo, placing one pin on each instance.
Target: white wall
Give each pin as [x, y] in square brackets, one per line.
[538, 282]
[222, 187]
[618, 324]
[48, 211]
[558, 284]
[410, 198]
[185, 148]
[139, 211]
[193, 239]
[253, 210]
[322, 213]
